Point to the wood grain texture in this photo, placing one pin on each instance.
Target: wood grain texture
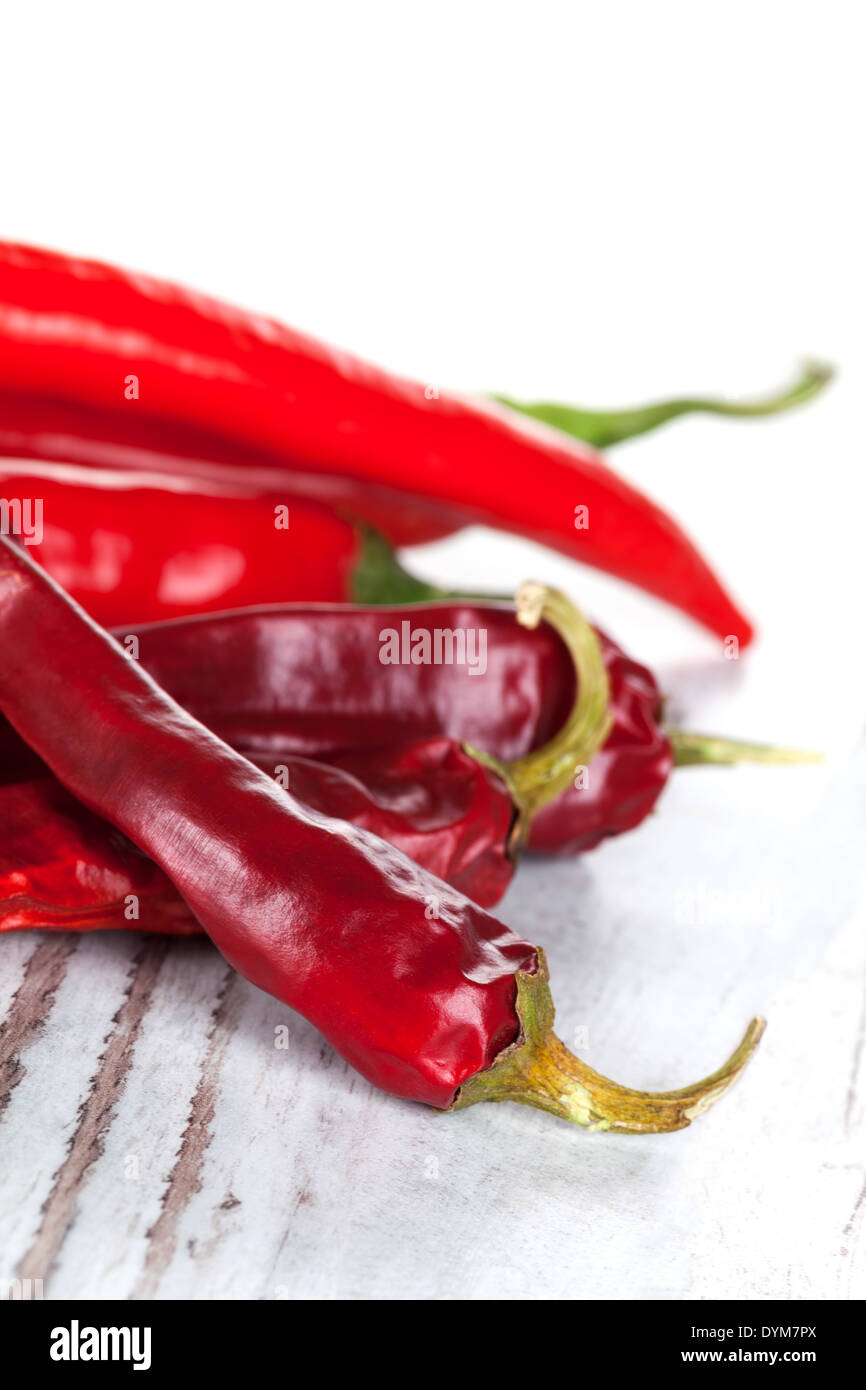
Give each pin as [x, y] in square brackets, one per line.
[31, 1005]
[95, 1113]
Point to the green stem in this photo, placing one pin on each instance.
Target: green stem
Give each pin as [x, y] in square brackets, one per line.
[539, 1070]
[693, 750]
[542, 775]
[379, 578]
[602, 428]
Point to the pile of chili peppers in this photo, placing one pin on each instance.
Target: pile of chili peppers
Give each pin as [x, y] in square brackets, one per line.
[239, 728]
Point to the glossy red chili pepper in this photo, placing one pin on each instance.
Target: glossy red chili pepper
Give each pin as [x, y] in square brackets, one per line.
[279, 683]
[135, 548]
[449, 1008]
[76, 337]
[448, 809]
[65, 869]
[42, 429]
[310, 682]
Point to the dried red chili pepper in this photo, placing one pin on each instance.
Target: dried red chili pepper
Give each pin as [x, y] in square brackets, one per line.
[446, 807]
[279, 683]
[213, 383]
[449, 1009]
[62, 868]
[309, 682]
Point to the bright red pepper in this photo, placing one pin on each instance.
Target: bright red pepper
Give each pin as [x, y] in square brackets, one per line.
[134, 548]
[448, 1008]
[46, 430]
[77, 337]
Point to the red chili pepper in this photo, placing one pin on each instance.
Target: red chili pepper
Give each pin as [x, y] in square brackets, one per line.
[449, 1009]
[135, 548]
[241, 673]
[90, 352]
[310, 682]
[65, 869]
[278, 683]
[447, 808]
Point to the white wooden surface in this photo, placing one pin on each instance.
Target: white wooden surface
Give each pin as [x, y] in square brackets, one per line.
[603, 203]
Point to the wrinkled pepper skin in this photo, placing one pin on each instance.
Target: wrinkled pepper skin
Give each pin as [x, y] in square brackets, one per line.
[310, 682]
[625, 778]
[326, 917]
[64, 869]
[289, 682]
[211, 378]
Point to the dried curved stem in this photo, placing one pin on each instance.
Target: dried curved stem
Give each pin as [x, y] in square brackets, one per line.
[540, 776]
[695, 750]
[539, 1070]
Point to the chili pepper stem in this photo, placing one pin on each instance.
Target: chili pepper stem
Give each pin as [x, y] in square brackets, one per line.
[538, 1070]
[604, 428]
[693, 750]
[380, 580]
[540, 776]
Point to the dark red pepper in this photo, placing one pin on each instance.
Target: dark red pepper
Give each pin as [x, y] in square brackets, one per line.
[450, 810]
[62, 867]
[155, 374]
[277, 683]
[449, 1008]
[309, 681]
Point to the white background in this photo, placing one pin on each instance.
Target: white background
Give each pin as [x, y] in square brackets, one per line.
[601, 204]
